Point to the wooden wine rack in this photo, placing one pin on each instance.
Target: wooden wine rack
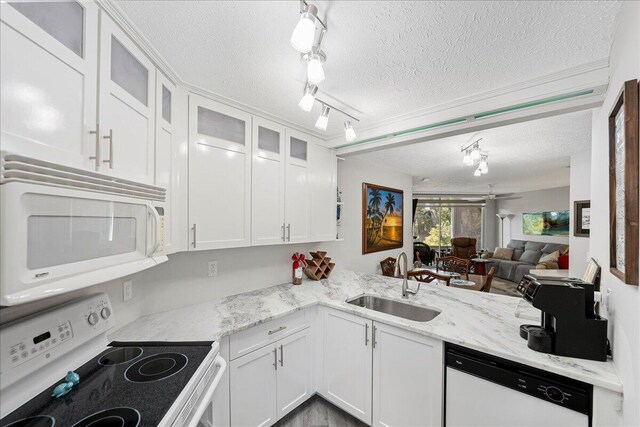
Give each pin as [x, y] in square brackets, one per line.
[319, 266]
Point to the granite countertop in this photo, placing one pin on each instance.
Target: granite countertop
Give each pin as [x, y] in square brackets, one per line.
[477, 320]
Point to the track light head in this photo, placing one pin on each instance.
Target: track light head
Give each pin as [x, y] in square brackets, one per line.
[349, 133]
[304, 33]
[314, 60]
[306, 103]
[323, 119]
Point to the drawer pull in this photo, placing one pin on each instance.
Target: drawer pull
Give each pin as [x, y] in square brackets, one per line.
[281, 328]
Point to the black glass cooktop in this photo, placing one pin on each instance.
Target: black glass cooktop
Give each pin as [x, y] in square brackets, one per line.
[127, 385]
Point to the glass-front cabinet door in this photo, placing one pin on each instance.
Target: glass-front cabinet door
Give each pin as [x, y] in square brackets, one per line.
[297, 187]
[268, 170]
[48, 74]
[127, 106]
[219, 175]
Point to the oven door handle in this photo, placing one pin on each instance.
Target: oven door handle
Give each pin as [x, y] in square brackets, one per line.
[156, 230]
[221, 365]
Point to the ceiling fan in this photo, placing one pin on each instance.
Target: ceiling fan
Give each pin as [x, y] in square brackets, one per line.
[492, 196]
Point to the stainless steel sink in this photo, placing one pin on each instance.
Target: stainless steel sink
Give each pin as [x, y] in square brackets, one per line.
[395, 308]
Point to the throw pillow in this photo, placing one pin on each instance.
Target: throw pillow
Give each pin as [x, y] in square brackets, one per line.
[553, 256]
[503, 253]
[531, 256]
[563, 261]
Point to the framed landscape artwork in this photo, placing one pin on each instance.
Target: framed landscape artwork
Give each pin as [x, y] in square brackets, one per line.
[554, 223]
[382, 218]
[623, 185]
[581, 218]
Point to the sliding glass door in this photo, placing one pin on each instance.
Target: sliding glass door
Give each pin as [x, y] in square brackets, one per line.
[437, 222]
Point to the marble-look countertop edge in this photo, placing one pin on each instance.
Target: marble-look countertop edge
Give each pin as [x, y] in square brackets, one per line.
[554, 364]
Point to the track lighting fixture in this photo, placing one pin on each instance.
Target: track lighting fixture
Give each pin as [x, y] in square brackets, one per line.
[477, 172]
[323, 119]
[473, 156]
[467, 160]
[349, 133]
[475, 153]
[306, 103]
[483, 165]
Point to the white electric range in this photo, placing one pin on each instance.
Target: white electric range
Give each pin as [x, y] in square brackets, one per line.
[65, 352]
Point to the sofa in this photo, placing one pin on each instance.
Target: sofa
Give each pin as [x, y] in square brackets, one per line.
[526, 255]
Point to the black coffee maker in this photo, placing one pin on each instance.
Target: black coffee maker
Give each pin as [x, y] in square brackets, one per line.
[569, 323]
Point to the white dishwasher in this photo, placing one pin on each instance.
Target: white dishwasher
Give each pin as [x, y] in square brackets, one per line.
[483, 390]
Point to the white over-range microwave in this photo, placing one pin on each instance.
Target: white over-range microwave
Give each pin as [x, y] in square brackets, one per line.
[64, 229]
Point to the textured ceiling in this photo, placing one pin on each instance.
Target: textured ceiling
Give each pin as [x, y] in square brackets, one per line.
[385, 58]
[526, 156]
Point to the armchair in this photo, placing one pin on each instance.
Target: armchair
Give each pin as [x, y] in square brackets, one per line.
[463, 247]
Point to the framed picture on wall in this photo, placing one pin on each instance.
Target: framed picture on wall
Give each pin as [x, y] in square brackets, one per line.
[581, 218]
[623, 185]
[382, 218]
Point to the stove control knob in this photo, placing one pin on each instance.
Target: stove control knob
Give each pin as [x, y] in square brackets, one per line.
[93, 319]
[555, 394]
[105, 313]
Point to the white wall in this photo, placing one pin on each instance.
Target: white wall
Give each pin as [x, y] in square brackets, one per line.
[553, 199]
[352, 173]
[580, 189]
[624, 300]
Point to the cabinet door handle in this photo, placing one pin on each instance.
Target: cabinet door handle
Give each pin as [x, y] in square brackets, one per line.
[194, 236]
[373, 337]
[288, 232]
[110, 138]
[284, 239]
[275, 358]
[281, 328]
[366, 334]
[281, 355]
[97, 156]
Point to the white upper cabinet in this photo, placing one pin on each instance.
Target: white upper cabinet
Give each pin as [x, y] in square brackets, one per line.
[323, 190]
[268, 175]
[219, 175]
[297, 217]
[48, 73]
[127, 106]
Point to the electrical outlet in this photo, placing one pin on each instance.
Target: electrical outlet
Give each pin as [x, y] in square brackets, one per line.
[127, 290]
[213, 268]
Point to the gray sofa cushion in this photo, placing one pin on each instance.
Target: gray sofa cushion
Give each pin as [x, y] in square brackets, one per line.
[531, 256]
[507, 269]
[534, 246]
[552, 247]
[516, 244]
[517, 253]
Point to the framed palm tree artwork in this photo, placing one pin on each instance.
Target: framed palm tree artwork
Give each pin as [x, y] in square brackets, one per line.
[382, 218]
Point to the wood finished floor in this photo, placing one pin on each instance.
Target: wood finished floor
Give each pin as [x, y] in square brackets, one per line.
[317, 412]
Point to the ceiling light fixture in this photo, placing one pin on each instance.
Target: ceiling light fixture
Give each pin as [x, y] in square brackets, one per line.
[484, 166]
[323, 119]
[304, 33]
[467, 160]
[306, 103]
[349, 133]
[477, 172]
[475, 153]
[474, 157]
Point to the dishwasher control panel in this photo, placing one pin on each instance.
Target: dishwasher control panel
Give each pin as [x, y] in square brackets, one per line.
[566, 392]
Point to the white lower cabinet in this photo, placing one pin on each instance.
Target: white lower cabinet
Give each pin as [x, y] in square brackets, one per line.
[269, 382]
[253, 388]
[382, 375]
[407, 378]
[347, 362]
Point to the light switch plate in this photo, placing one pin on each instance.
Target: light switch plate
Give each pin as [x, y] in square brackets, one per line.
[127, 290]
